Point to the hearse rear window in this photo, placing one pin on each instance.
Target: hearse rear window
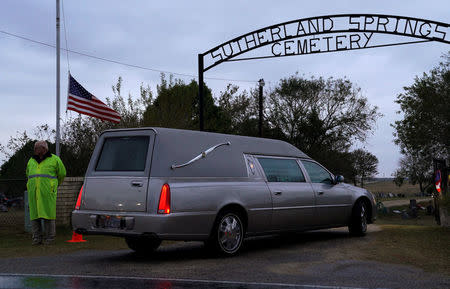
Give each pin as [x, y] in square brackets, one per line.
[281, 170]
[123, 154]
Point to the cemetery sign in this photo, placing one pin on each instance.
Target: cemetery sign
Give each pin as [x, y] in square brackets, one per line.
[330, 33]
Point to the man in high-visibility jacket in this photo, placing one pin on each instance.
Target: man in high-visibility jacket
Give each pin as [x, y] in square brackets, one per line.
[45, 171]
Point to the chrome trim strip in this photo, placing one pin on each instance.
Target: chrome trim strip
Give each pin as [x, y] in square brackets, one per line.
[293, 208]
[329, 206]
[261, 209]
[297, 207]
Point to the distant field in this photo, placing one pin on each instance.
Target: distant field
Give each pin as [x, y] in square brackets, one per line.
[388, 186]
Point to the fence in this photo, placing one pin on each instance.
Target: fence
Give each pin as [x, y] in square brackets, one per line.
[12, 213]
[12, 209]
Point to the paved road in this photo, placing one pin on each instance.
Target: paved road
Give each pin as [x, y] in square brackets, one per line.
[315, 259]
[27, 281]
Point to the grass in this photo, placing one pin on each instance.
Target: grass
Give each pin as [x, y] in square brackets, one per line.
[17, 243]
[390, 187]
[416, 241]
[419, 242]
[426, 247]
[421, 246]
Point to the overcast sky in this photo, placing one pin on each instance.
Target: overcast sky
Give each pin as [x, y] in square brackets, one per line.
[168, 35]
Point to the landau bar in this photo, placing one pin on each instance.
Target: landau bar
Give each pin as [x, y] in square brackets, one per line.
[279, 35]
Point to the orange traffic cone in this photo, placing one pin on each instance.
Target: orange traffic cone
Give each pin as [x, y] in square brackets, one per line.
[76, 238]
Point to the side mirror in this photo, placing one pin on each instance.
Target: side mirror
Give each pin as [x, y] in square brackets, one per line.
[338, 179]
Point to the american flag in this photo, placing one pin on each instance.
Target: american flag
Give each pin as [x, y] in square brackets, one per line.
[80, 100]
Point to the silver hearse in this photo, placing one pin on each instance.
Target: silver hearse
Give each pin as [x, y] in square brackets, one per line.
[154, 184]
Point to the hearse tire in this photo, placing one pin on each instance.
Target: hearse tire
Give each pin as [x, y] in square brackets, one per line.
[143, 245]
[358, 221]
[227, 235]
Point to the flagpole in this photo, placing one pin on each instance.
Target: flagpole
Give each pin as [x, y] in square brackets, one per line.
[57, 79]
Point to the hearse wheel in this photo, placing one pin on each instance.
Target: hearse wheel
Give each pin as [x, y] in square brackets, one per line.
[143, 245]
[228, 234]
[358, 222]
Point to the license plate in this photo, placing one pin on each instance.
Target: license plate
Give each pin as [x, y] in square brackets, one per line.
[110, 222]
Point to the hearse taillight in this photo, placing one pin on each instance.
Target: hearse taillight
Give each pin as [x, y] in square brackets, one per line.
[78, 205]
[164, 200]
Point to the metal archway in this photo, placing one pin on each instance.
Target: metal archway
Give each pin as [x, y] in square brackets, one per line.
[321, 34]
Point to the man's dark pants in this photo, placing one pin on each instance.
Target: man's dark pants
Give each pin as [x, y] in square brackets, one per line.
[43, 231]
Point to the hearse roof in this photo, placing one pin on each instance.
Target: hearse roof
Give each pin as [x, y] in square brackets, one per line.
[174, 147]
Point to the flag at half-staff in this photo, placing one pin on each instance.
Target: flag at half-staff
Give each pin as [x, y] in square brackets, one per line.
[82, 101]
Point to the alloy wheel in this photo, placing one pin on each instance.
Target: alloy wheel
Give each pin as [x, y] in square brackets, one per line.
[230, 233]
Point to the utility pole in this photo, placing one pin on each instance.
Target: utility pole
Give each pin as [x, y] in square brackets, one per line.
[200, 91]
[57, 79]
[260, 121]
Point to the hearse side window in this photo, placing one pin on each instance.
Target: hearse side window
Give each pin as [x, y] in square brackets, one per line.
[281, 170]
[123, 154]
[316, 173]
[251, 169]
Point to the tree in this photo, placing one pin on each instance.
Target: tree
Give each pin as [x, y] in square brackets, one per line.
[19, 149]
[241, 112]
[365, 165]
[320, 117]
[177, 105]
[174, 105]
[416, 168]
[131, 111]
[424, 131]
[399, 177]
[14, 167]
[239, 109]
[425, 106]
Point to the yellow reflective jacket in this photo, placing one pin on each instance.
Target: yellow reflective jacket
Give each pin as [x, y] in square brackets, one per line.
[43, 180]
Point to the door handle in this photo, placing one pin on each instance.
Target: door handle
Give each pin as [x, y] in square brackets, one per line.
[137, 184]
[278, 193]
[320, 193]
